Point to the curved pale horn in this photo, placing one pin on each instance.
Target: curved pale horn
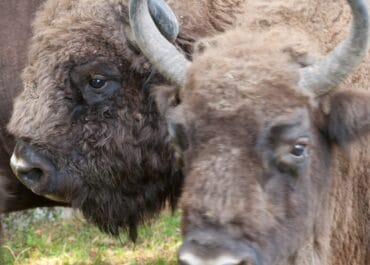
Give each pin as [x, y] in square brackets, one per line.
[171, 63]
[325, 75]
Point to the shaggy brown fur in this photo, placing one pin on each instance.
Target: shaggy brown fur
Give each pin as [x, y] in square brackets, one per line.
[110, 149]
[242, 114]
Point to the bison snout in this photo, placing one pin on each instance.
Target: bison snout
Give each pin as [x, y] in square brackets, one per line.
[212, 248]
[33, 169]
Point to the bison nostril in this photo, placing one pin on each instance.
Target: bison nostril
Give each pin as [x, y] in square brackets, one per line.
[36, 171]
[250, 260]
[32, 168]
[244, 262]
[189, 258]
[182, 262]
[211, 248]
[31, 176]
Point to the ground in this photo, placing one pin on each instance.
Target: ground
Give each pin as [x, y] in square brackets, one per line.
[74, 242]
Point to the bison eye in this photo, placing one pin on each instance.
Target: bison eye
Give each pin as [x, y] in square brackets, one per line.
[298, 150]
[97, 82]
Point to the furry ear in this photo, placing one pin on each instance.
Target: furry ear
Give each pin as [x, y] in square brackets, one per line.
[201, 46]
[299, 55]
[348, 115]
[168, 104]
[166, 97]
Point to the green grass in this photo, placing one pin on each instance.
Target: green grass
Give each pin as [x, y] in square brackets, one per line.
[76, 242]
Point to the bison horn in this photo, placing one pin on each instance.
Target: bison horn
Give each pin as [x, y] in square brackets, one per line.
[325, 75]
[171, 63]
[164, 19]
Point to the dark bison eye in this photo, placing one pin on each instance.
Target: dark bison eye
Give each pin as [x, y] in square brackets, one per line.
[97, 83]
[298, 150]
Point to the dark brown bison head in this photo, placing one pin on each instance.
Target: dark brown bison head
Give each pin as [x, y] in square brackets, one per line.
[259, 141]
[87, 131]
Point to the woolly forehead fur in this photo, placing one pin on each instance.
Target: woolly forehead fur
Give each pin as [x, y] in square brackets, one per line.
[67, 12]
[102, 26]
[234, 68]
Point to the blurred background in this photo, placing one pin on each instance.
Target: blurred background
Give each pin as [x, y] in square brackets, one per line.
[61, 236]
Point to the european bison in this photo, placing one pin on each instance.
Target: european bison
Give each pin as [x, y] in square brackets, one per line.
[88, 131]
[276, 157]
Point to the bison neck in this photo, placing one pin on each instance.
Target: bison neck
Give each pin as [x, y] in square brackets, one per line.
[350, 207]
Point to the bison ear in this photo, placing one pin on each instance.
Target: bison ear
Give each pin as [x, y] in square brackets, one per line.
[203, 45]
[348, 116]
[166, 98]
[168, 104]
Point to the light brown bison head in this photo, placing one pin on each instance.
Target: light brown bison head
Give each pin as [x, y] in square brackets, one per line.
[260, 143]
[87, 131]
